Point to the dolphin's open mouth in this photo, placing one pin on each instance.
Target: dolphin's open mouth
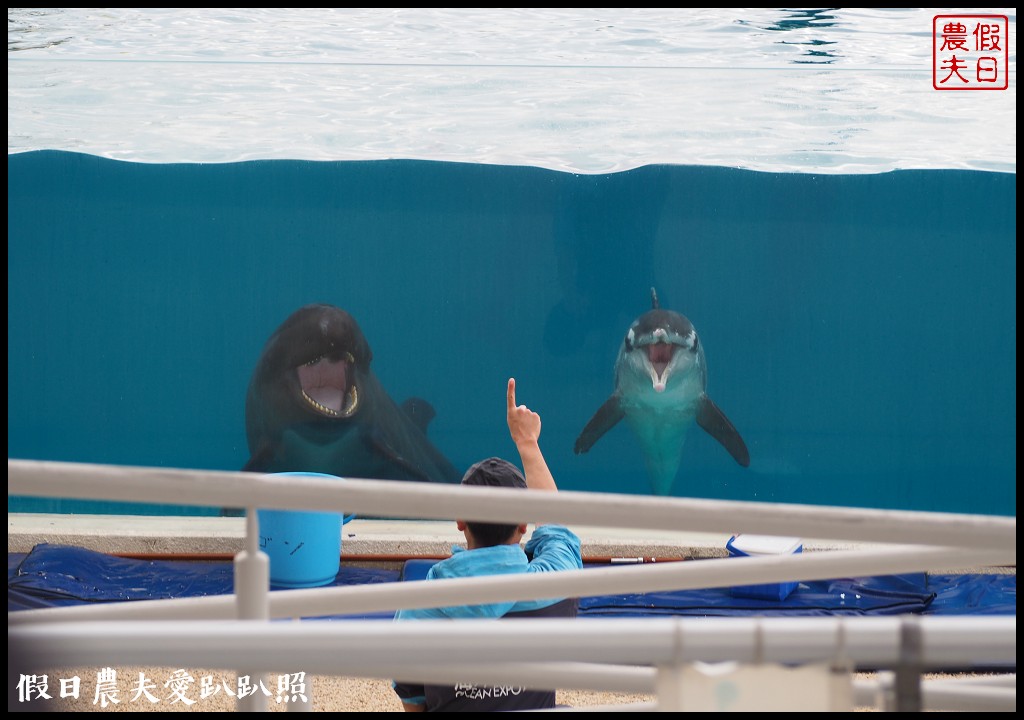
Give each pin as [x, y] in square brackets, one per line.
[327, 386]
[660, 355]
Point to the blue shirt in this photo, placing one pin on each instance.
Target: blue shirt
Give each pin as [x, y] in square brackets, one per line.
[552, 548]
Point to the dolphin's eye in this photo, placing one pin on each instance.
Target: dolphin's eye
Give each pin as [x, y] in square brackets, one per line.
[629, 340]
[694, 343]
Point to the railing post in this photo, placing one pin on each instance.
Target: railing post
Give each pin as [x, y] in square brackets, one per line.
[908, 670]
[668, 687]
[668, 681]
[302, 702]
[252, 596]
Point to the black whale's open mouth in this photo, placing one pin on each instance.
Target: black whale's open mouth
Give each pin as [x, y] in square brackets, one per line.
[327, 386]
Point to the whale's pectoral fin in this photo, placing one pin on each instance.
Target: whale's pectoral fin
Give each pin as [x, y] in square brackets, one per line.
[604, 420]
[260, 459]
[717, 425]
[420, 412]
[407, 458]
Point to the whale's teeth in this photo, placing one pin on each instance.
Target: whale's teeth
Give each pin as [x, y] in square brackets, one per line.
[351, 404]
[322, 408]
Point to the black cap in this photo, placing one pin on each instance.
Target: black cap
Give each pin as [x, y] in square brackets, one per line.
[496, 473]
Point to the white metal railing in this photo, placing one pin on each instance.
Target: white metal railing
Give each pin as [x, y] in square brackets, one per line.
[948, 642]
[574, 583]
[930, 540]
[586, 653]
[989, 693]
[391, 498]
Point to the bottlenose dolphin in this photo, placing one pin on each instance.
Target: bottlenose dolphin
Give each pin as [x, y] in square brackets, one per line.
[314, 405]
[660, 382]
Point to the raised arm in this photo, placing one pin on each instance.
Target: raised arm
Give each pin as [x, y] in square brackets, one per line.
[524, 425]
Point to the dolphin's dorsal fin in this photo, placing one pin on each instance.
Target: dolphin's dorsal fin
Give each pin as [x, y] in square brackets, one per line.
[654, 299]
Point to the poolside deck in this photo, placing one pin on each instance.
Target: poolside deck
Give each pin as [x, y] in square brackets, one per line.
[376, 542]
[370, 540]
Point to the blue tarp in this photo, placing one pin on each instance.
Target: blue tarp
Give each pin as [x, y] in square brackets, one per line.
[58, 575]
[883, 595]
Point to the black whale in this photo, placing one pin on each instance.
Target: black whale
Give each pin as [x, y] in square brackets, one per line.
[314, 405]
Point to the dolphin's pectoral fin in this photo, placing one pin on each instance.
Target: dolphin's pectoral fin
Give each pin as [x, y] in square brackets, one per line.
[717, 425]
[604, 420]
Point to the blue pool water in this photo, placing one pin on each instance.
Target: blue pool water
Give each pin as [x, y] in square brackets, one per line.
[593, 90]
[860, 330]
[499, 204]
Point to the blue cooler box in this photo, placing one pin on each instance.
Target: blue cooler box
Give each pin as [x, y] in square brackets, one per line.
[761, 545]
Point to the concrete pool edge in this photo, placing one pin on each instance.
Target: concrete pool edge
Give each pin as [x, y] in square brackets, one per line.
[135, 534]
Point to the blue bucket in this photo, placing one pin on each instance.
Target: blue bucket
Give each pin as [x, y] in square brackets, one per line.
[304, 547]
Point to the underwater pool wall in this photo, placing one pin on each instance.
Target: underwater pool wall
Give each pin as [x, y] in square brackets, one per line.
[859, 330]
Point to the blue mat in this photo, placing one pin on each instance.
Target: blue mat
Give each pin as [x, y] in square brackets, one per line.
[60, 575]
[883, 595]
